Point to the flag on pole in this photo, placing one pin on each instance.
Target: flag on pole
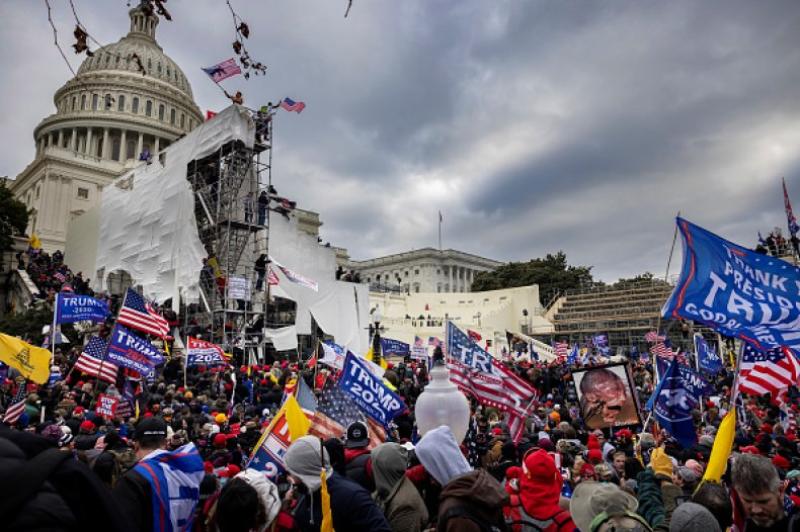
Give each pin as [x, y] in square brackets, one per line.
[653, 337]
[17, 406]
[772, 371]
[272, 277]
[793, 226]
[336, 411]
[31, 361]
[673, 406]
[561, 350]
[290, 105]
[91, 361]
[137, 313]
[723, 444]
[296, 277]
[223, 70]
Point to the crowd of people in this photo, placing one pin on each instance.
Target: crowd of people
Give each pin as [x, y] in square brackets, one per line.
[68, 466]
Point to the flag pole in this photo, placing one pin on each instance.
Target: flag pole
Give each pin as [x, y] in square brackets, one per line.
[53, 332]
[440, 231]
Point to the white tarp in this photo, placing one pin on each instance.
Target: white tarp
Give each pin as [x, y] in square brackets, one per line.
[340, 309]
[148, 228]
[283, 339]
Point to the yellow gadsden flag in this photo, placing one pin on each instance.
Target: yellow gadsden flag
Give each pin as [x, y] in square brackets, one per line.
[723, 443]
[34, 242]
[33, 362]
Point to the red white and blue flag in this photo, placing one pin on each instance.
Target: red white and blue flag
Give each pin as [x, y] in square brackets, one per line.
[17, 406]
[561, 350]
[223, 70]
[295, 277]
[793, 227]
[290, 105]
[92, 361]
[138, 314]
[763, 372]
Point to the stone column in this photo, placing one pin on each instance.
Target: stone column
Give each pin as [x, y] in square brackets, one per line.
[139, 147]
[60, 138]
[73, 141]
[106, 148]
[450, 278]
[88, 150]
[40, 146]
[156, 147]
[123, 145]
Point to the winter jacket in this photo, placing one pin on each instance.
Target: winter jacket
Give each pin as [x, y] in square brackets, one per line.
[651, 502]
[540, 484]
[472, 503]
[395, 494]
[358, 467]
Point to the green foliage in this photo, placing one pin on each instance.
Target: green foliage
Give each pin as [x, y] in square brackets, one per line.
[641, 279]
[13, 217]
[27, 325]
[551, 273]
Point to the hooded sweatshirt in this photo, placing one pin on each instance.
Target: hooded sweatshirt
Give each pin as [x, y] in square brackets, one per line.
[472, 502]
[267, 492]
[439, 454]
[395, 495]
[540, 490]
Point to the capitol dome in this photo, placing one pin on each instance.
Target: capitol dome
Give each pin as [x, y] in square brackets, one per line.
[129, 98]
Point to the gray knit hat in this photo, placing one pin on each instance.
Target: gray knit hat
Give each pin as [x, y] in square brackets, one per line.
[692, 517]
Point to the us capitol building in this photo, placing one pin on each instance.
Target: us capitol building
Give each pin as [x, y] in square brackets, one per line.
[105, 117]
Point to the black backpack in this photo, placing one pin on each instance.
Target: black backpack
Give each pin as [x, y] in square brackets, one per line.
[467, 513]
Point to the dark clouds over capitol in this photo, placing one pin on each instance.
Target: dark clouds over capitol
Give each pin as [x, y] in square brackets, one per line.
[533, 126]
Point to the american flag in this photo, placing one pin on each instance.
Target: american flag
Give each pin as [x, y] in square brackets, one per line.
[501, 389]
[92, 361]
[561, 350]
[793, 226]
[290, 105]
[223, 70]
[336, 411]
[653, 337]
[773, 371]
[272, 277]
[17, 406]
[137, 313]
[305, 398]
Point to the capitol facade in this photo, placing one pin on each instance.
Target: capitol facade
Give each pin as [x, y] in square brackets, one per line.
[127, 100]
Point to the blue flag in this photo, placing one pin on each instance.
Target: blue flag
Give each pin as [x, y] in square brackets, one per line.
[368, 391]
[707, 359]
[673, 404]
[395, 347]
[695, 383]
[462, 348]
[736, 291]
[572, 358]
[128, 350]
[72, 307]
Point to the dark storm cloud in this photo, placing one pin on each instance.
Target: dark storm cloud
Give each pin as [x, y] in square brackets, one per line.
[534, 126]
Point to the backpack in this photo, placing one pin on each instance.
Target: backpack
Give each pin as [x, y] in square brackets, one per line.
[526, 523]
[466, 512]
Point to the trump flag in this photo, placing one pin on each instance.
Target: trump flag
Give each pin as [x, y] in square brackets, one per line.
[736, 291]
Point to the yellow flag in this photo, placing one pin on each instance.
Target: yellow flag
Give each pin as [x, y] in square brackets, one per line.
[325, 500]
[34, 242]
[33, 362]
[723, 443]
[370, 355]
[295, 417]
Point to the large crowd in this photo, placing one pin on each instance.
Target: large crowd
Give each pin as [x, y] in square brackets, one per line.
[65, 467]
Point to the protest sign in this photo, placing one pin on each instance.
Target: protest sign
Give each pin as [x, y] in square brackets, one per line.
[106, 406]
[368, 390]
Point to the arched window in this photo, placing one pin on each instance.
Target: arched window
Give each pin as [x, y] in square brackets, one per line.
[107, 102]
[135, 105]
[161, 112]
[159, 68]
[149, 64]
[83, 102]
[73, 103]
[183, 120]
[121, 102]
[95, 99]
[148, 108]
[115, 145]
[130, 149]
[108, 60]
[172, 117]
[169, 72]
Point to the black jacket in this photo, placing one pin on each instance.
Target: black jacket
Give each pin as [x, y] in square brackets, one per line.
[133, 495]
[352, 507]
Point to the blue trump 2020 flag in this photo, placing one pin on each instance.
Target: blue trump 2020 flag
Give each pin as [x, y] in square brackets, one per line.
[395, 347]
[131, 351]
[368, 391]
[736, 291]
[72, 307]
[707, 359]
[673, 404]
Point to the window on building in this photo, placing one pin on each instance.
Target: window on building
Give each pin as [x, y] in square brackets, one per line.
[130, 151]
[183, 120]
[172, 117]
[115, 149]
[148, 108]
[83, 102]
[406, 273]
[416, 288]
[107, 101]
[121, 102]
[95, 100]
[38, 190]
[161, 112]
[368, 279]
[83, 193]
[135, 105]
[416, 272]
[73, 103]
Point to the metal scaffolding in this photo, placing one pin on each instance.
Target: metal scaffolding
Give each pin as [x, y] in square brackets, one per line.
[234, 227]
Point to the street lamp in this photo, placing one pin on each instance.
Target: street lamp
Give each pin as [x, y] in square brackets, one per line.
[441, 403]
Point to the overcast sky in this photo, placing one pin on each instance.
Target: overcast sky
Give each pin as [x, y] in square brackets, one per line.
[533, 126]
